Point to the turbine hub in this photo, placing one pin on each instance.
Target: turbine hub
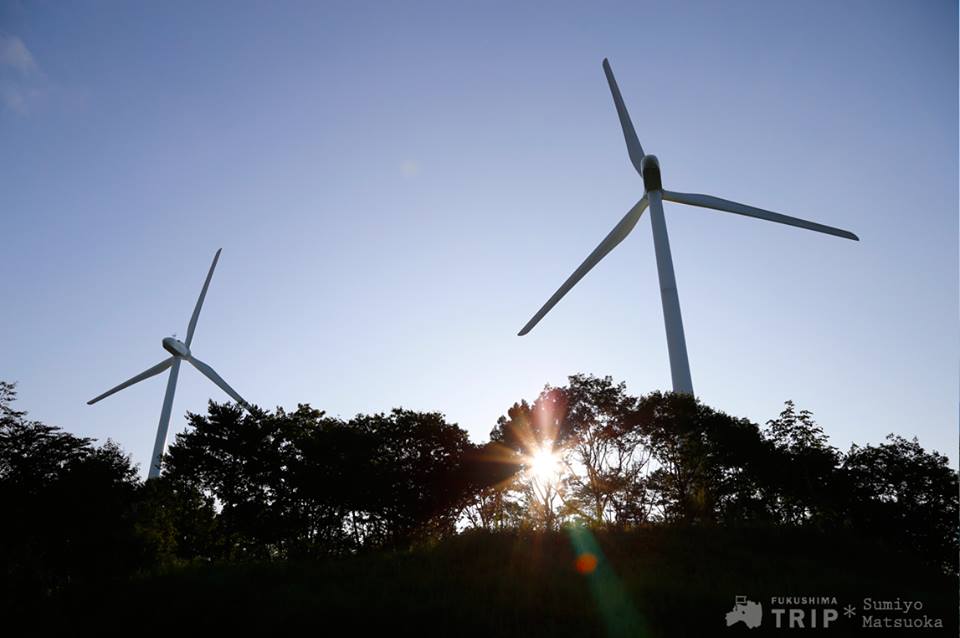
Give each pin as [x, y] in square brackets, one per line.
[650, 167]
[176, 347]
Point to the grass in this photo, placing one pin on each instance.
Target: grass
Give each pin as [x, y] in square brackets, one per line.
[654, 582]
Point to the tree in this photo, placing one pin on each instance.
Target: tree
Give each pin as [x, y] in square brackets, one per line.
[524, 433]
[301, 483]
[706, 461]
[33, 454]
[67, 508]
[330, 476]
[415, 491]
[252, 465]
[587, 425]
[488, 478]
[177, 524]
[801, 477]
[906, 495]
[610, 458]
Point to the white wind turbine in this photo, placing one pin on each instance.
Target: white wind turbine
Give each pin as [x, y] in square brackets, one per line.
[649, 169]
[180, 351]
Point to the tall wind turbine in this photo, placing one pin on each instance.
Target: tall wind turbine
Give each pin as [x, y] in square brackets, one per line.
[649, 168]
[180, 351]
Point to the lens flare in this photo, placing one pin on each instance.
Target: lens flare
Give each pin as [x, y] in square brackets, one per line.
[545, 466]
[613, 601]
[586, 563]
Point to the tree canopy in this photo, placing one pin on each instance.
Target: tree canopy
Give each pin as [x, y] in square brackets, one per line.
[242, 485]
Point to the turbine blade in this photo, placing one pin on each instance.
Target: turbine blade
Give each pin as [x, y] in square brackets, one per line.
[629, 134]
[146, 374]
[211, 374]
[708, 201]
[161, 441]
[617, 235]
[203, 293]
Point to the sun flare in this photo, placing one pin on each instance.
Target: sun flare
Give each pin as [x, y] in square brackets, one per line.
[545, 466]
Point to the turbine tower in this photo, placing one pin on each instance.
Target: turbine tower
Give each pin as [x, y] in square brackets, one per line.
[649, 168]
[179, 350]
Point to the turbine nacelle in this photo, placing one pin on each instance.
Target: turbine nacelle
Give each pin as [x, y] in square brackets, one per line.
[650, 169]
[176, 347]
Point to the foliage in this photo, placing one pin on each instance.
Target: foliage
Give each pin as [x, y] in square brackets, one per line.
[255, 486]
[301, 483]
[803, 476]
[906, 494]
[66, 506]
[667, 458]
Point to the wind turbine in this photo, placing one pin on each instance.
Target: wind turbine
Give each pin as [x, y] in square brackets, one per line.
[649, 168]
[180, 351]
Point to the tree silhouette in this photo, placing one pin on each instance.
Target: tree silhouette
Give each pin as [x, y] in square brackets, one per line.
[301, 483]
[528, 430]
[488, 483]
[250, 485]
[611, 455]
[67, 508]
[237, 458]
[903, 493]
[706, 461]
[415, 491]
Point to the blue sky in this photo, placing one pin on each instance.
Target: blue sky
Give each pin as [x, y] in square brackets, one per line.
[397, 188]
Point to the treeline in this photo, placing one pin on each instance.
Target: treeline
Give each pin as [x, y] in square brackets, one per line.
[240, 486]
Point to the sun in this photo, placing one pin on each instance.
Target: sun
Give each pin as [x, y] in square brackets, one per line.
[545, 466]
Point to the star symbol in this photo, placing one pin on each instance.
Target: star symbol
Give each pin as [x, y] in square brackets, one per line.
[849, 611]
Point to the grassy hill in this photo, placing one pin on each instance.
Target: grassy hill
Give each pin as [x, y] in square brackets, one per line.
[654, 582]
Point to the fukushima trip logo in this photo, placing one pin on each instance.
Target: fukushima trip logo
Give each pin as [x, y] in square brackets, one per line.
[745, 611]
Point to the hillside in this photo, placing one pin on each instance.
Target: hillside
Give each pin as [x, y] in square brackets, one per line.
[656, 582]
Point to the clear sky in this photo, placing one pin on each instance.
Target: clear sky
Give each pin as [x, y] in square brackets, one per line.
[398, 187]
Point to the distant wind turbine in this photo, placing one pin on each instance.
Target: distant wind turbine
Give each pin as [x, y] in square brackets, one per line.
[649, 168]
[179, 350]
